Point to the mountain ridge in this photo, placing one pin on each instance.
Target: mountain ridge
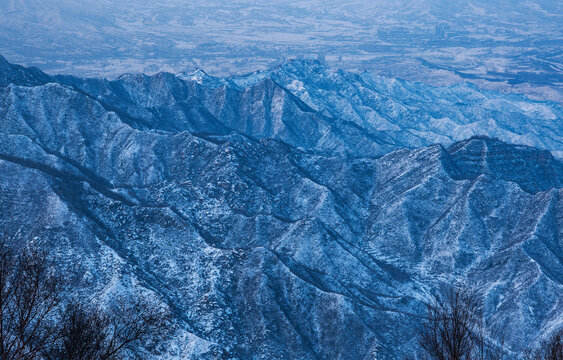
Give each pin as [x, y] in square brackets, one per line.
[394, 113]
[271, 246]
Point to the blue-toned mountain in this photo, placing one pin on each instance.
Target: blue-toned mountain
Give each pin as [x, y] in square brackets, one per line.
[316, 108]
[275, 223]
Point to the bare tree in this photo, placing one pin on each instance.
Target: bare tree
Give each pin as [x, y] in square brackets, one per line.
[29, 295]
[82, 335]
[455, 330]
[95, 333]
[33, 328]
[551, 349]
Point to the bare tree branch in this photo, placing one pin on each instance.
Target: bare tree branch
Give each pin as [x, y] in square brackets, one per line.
[550, 349]
[95, 333]
[455, 329]
[29, 295]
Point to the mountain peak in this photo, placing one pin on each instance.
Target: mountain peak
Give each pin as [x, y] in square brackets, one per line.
[200, 77]
[20, 75]
[492, 144]
[533, 169]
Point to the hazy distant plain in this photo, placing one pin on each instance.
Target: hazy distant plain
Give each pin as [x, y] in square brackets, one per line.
[504, 45]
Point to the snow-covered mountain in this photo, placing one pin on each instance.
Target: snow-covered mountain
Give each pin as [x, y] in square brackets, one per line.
[302, 213]
[308, 105]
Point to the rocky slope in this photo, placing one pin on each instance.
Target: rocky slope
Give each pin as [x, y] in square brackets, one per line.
[273, 222]
[308, 105]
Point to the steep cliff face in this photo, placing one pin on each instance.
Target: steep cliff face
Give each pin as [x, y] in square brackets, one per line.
[269, 226]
